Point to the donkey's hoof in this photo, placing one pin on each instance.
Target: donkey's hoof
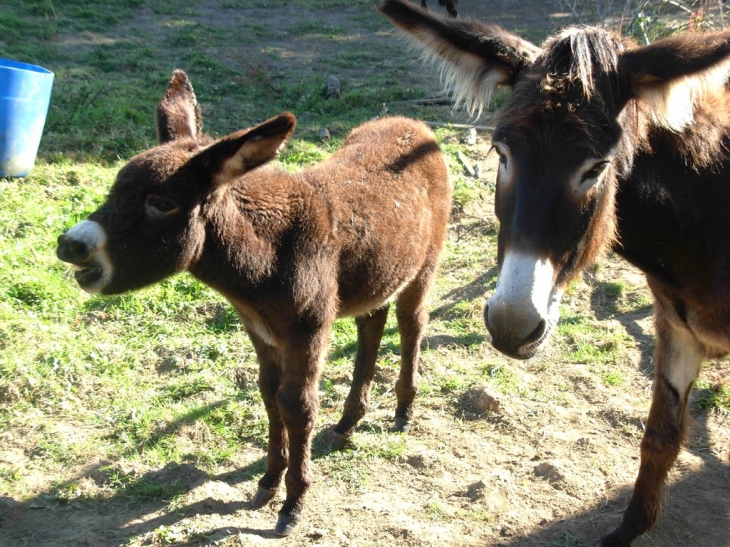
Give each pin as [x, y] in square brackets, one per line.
[402, 425]
[285, 525]
[617, 538]
[262, 497]
[339, 441]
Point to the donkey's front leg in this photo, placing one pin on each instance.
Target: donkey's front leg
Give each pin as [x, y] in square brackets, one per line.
[370, 329]
[298, 402]
[278, 454]
[677, 361]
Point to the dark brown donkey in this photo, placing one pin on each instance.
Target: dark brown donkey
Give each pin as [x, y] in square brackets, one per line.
[602, 143]
[291, 252]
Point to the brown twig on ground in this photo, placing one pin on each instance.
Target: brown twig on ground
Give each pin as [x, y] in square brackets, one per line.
[460, 125]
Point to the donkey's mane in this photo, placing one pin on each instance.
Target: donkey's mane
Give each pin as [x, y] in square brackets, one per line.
[580, 57]
[582, 63]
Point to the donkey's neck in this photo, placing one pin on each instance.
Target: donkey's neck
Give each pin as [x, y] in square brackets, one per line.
[669, 207]
[246, 225]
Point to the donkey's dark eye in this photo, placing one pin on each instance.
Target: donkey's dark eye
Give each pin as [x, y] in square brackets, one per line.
[501, 155]
[161, 204]
[595, 171]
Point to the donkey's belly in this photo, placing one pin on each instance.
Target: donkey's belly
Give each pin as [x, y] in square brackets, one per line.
[705, 314]
[358, 302]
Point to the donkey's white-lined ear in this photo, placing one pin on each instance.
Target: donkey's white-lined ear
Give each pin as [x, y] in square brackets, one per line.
[670, 75]
[237, 153]
[178, 114]
[474, 58]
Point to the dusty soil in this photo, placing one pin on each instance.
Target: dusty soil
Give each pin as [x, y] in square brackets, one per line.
[529, 473]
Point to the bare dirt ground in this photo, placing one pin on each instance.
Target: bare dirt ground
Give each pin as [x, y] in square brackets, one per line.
[464, 479]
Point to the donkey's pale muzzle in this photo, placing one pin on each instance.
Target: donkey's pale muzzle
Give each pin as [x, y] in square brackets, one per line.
[83, 246]
[521, 313]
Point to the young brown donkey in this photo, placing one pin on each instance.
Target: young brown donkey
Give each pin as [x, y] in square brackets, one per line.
[291, 252]
[602, 143]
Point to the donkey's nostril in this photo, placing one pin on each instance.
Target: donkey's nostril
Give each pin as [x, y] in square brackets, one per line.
[537, 334]
[78, 248]
[71, 250]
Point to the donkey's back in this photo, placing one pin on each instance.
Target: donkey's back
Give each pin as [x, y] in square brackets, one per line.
[389, 200]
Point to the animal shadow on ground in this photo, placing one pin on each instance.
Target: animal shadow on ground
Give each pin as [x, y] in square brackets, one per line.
[38, 521]
[48, 520]
[704, 482]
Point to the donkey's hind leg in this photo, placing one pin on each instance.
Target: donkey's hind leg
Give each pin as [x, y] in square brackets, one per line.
[370, 329]
[412, 319]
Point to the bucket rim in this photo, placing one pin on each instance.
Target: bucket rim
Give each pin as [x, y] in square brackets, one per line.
[19, 65]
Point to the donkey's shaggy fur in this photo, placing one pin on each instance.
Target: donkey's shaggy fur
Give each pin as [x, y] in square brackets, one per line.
[290, 251]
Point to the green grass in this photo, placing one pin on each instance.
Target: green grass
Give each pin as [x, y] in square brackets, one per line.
[589, 342]
[712, 396]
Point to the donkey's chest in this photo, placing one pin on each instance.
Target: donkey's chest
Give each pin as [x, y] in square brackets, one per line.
[254, 322]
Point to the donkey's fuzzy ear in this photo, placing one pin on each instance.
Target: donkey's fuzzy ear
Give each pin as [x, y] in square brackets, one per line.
[238, 153]
[178, 114]
[669, 75]
[474, 58]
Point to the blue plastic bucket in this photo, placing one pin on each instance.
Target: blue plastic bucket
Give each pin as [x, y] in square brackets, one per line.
[25, 92]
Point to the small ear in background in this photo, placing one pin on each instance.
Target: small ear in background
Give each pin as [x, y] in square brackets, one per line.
[247, 149]
[178, 114]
